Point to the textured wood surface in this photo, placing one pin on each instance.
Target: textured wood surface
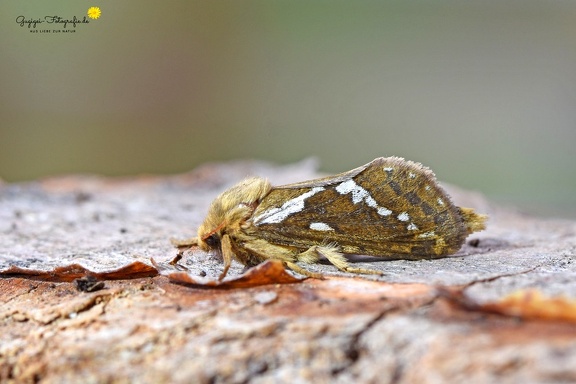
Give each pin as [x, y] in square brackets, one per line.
[427, 321]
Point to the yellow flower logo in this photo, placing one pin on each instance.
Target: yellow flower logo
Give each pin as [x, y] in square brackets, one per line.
[94, 12]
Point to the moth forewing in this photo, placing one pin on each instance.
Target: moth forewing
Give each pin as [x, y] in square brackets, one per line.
[389, 208]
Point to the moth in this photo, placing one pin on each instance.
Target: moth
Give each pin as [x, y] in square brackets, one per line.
[389, 208]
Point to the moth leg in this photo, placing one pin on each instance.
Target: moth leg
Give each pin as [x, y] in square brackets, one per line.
[263, 250]
[339, 261]
[298, 269]
[227, 255]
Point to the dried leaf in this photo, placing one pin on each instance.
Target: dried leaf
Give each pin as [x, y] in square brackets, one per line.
[269, 272]
[525, 304]
[75, 271]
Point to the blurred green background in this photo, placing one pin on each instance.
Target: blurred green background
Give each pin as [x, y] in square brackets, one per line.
[483, 92]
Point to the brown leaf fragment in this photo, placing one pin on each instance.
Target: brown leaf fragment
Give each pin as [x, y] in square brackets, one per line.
[72, 272]
[269, 272]
[532, 304]
[525, 304]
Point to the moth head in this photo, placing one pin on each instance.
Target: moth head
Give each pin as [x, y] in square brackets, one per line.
[230, 210]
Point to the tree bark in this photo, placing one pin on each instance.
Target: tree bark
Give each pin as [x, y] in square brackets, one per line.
[428, 321]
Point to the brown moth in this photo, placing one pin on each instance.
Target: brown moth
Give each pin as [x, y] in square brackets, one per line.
[388, 208]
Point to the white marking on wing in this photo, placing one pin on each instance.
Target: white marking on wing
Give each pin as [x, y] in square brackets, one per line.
[403, 216]
[360, 194]
[321, 227]
[384, 211]
[277, 215]
[412, 227]
[427, 234]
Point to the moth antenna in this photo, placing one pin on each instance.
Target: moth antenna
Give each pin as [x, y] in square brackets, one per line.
[222, 225]
[186, 243]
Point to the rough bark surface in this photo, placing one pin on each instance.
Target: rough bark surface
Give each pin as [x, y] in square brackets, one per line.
[429, 321]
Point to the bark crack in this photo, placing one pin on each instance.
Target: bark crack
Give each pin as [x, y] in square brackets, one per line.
[354, 350]
[498, 277]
